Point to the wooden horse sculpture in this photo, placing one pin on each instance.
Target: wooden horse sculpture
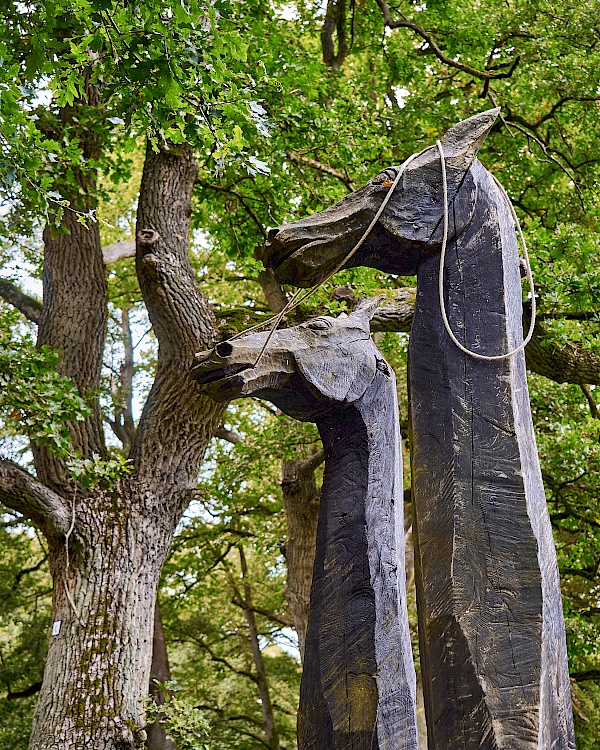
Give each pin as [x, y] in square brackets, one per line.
[491, 630]
[358, 682]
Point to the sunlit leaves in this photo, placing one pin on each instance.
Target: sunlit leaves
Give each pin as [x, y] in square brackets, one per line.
[34, 399]
[174, 73]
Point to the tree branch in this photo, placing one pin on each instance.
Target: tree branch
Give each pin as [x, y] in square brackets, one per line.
[312, 462]
[261, 675]
[335, 20]
[118, 250]
[269, 615]
[122, 391]
[427, 37]
[395, 315]
[231, 437]
[21, 492]
[547, 151]
[31, 690]
[324, 168]
[563, 363]
[273, 291]
[221, 660]
[29, 306]
[587, 392]
[241, 198]
[591, 674]
[515, 117]
[177, 422]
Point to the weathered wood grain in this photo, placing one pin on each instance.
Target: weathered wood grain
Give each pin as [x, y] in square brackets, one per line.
[489, 602]
[358, 683]
[492, 639]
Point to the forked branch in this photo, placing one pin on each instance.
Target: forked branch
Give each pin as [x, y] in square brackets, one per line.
[21, 492]
[404, 23]
[29, 306]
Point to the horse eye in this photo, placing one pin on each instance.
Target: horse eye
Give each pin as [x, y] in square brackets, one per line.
[318, 325]
[385, 178]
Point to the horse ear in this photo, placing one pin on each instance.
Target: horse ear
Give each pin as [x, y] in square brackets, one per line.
[341, 372]
[462, 142]
[366, 309]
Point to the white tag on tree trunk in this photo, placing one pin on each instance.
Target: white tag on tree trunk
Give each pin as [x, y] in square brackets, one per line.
[56, 627]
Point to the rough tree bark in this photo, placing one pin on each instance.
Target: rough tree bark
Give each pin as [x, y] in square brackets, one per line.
[335, 22]
[107, 546]
[74, 312]
[301, 501]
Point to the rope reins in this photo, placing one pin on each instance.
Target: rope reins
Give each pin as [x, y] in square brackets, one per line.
[464, 349]
[301, 296]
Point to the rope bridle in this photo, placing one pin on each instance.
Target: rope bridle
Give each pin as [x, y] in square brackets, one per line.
[464, 349]
[300, 296]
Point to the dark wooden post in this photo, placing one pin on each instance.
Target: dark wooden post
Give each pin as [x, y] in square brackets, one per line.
[358, 683]
[491, 627]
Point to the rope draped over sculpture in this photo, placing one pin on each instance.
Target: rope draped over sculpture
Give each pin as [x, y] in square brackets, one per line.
[298, 297]
[491, 630]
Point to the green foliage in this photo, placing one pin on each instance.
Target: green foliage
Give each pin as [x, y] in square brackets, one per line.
[174, 73]
[184, 724]
[37, 402]
[244, 85]
[25, 614]
[34, 399]
[568, 442]
[96, 472]
[586, 710]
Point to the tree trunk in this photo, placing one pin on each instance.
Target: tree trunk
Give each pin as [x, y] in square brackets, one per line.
[74, 312]
[159, 672]
[98, 666]
[106, 564]
[301, 501]
[262, 684]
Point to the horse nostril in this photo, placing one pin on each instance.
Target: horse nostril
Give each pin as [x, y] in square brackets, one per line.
[224, 349]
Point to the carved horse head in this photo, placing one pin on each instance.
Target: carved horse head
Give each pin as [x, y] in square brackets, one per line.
[302, 252]
[306, 371]
[358, 680]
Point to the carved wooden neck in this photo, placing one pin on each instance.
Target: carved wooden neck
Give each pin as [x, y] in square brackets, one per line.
[490, 618]
[358, 684]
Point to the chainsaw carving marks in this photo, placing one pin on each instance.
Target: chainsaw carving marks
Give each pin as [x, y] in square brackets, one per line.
[492, 640]
[358, 684]
[490, 620]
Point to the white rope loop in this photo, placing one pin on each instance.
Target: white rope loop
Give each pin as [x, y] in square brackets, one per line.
[527, 339]
[297, 299]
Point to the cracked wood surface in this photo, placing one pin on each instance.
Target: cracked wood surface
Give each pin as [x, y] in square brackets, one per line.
[493, 652]
[358, 683]
[492, 640]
